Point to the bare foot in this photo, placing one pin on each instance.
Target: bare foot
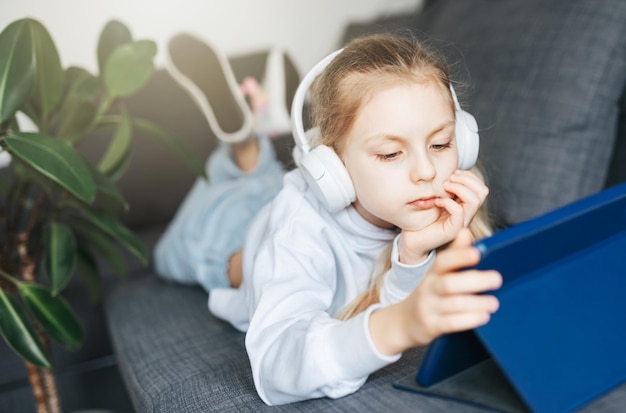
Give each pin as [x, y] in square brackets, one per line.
[235, 269]
[246, 154]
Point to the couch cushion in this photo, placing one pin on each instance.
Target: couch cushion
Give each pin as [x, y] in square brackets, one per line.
[176, 357]
[545, 82]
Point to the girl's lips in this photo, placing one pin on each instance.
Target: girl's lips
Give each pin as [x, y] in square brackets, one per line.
[423, 203]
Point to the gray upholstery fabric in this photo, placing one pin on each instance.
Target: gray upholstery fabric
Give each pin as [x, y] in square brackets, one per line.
[617, 170]
[176, 357]
[545, 82]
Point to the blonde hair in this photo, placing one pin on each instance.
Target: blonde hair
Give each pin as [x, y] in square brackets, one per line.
[366, 65]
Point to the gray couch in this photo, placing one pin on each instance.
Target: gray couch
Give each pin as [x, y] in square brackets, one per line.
[546, 81]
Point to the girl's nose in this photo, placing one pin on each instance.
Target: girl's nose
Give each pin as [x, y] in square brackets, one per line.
[422, 169]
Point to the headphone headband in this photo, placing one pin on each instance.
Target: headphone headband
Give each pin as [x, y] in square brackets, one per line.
[298, 100]
[457, 106]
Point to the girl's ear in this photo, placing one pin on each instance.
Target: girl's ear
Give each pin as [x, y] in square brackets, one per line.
[466, 132]
[321, 167]
[327, 177]
[467, 142]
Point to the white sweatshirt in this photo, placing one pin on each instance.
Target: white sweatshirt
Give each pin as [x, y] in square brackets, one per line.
[302, 265]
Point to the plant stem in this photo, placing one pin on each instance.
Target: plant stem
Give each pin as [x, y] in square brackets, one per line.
[6, 282]
[26, 263]
[104, 107]
[34, 216]
[13, 206]
[7, 277]
[51, 391]
[44, 388]
[38, 390]
[42, 381]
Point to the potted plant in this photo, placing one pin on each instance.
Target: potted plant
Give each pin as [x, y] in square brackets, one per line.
[58, 211]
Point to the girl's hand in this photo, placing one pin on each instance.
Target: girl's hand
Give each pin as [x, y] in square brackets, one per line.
[447, 300]
[468, 194]
[469, 191]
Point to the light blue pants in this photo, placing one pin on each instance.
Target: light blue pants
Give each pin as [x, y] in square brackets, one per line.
[211, 223]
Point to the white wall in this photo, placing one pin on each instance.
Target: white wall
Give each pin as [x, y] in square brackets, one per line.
[308, 30]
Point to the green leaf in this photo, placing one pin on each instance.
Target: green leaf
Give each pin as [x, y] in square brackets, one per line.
[110, 225]
[114, 161]
[54, 314]
[129, 68]
[103, 246]
[17, 68]
[76, 117]
[81, 83]
[48, 87]
[121, 168]
[87, 269]
[107, 194]
[172, 142]
[78, 112]
[55, 159]
[26, 174]
[113, 34]
[19, 334]
[60, 257]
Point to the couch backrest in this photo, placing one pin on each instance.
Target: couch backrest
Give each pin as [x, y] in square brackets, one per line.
[547, 78]
[617, 169]
[546, 82]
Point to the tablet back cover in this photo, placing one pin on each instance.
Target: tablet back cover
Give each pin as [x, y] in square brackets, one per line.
[560, 330]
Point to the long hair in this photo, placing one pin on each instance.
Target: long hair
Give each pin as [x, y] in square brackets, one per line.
[365, 66]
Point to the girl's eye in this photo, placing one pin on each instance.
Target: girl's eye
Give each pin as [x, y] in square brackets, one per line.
[441, 146]
[388, 156]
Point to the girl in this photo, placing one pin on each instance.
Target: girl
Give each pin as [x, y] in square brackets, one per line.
[331, 292]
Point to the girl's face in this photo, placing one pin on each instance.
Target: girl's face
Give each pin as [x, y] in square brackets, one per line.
[399, 152]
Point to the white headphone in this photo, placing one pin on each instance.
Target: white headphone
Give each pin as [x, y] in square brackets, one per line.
[322, 168]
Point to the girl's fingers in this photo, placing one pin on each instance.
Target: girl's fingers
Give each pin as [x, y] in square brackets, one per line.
[464, 193]
[456, 216]
[462, 303]
[462, 239]
[469, 191]
[460, 254]
[460, 313]
[467, 282]
[470, 180]
[463, 321]
[452, 207]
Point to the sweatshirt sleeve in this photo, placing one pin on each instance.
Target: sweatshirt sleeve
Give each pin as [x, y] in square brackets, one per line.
[297, 350]
[402, 279]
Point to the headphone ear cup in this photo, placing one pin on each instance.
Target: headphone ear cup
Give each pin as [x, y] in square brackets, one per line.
[467, 141]
[328, 178]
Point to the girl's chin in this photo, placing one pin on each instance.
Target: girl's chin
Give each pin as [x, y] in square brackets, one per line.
[417, 224]
[412, 228]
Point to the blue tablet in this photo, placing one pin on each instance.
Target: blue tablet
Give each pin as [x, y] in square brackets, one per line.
[559, 334]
